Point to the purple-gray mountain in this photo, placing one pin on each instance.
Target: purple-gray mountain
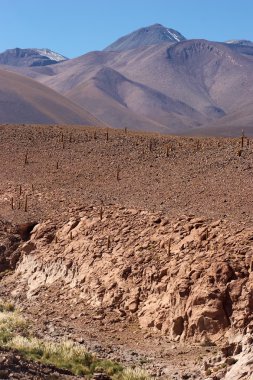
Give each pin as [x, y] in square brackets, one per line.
[151, 35]
[30, 57]
[155, 79]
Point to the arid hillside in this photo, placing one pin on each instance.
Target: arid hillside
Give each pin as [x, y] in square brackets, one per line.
[59, 168]
[136, 245]
[22, 100]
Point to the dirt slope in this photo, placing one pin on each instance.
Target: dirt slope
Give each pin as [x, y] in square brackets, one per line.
[204, 177]
[23, 100]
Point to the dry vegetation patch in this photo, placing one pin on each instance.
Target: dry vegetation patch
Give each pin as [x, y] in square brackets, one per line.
[16, 333]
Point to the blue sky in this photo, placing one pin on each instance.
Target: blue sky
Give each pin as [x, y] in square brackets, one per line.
[74, 27]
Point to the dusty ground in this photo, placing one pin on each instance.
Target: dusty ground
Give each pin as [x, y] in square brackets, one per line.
[59, 170]
[200, 176]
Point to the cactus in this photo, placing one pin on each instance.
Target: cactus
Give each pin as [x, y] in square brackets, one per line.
[108, 242]
[26, 158]
[101, 212]
[169, 247]
[242, 139]
[26, 198]
[118, 171]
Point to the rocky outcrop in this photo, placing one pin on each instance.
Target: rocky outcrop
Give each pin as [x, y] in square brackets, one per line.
[236, 362]
[190, 279]
[242, 361]
[9, 244]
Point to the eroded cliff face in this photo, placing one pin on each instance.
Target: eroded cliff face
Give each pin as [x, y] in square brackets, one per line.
[190, 279]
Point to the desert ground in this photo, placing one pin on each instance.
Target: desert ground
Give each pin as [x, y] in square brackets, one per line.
[137, 246]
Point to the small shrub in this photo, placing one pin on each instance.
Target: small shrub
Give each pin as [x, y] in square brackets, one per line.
[108, 366]
[6, 306]
[5, 336]
[208, 372]
[13, 322]
[9, 324]
[134, 374]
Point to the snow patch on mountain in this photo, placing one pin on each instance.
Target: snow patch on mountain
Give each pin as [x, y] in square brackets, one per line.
[174, 35]
[51, 55]
[240, 42]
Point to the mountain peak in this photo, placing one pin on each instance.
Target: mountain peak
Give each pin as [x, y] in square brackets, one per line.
[150, 35]
[30, 57]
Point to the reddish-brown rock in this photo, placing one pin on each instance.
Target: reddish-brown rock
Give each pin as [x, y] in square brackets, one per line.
[193, 290]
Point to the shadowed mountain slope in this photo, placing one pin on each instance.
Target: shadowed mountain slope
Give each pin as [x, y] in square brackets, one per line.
[140, 105]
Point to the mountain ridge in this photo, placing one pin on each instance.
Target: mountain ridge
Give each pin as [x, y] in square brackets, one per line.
[150, 35]
[30, 57]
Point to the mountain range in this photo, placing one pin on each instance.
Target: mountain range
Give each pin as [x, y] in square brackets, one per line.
[153, 79]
